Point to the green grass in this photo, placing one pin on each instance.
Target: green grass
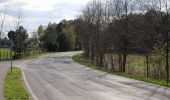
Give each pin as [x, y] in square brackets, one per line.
[5, 54]
[79, 59]
[32, 56]
[13, 86]
[137, 62]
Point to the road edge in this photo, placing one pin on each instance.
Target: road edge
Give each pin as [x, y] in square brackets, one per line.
[33, 96]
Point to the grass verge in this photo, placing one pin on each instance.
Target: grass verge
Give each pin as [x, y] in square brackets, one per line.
[32, 56]
[14, 88]
[79, 59]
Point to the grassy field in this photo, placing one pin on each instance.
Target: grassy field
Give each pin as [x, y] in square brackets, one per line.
[13, 86]
[78, 58]
[33, 55]
[5, 54]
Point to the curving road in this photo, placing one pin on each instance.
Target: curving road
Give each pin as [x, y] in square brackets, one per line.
[57, 77]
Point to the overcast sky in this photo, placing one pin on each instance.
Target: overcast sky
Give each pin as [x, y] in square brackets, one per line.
[36, 12]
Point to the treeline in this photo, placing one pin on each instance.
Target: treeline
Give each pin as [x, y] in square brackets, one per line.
[20, 40]
[51, 38]
[19, 44]
[4, 43]
[123, 28]
[58, 37]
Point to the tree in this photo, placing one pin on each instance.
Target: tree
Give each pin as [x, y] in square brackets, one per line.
[59, 37]
[64, 44]
[34, 41]
[70, 33]
[166, 36]
[126, 27]
[49, 39]
[19, 38]
[40, 31]
[5, 42]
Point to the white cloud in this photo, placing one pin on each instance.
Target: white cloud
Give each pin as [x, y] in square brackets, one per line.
[39, 5]
[36, 12]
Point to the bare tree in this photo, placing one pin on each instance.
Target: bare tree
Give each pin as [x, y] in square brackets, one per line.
[2, 22]
[126, 27]
[18, 20]
[167, 35]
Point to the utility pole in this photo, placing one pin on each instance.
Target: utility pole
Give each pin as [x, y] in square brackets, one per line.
[167, 57]
[11, 53]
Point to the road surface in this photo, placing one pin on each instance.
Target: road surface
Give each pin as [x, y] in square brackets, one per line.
[57, 77]
[3, 70]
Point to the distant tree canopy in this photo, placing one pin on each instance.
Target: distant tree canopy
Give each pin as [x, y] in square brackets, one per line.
[34, 41]
[5, 43]
[49, 39]
[58, 37]
[19, 38]
[40, 31]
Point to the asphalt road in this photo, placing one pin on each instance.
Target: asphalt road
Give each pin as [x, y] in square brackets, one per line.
[3, 70]
[57, 77]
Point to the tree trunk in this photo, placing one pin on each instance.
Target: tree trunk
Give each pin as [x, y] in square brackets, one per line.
[147, 66]
[92, 55]
[105, 63]
[20, 49]
[101, 60]
[120, 62]
[97, 58]
[124, 63]
[86, 51]
[112, 64]
[167, 59]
